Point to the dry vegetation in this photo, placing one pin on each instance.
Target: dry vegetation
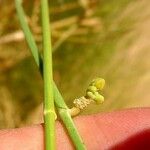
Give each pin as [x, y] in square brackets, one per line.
[90, 39]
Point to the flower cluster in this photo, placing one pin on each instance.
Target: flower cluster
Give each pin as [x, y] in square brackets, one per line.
[93, 91]
[92, 94]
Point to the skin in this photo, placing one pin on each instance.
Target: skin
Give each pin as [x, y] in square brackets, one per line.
[120, 130]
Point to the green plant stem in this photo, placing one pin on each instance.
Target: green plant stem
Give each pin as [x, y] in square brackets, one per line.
[59, 101]
[27, 33]
[67, 120]
[49, 112]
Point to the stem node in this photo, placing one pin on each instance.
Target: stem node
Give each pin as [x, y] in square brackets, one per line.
[46, 112]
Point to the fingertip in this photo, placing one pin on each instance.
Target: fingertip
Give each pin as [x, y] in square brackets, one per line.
[103, 131]
[100, 131]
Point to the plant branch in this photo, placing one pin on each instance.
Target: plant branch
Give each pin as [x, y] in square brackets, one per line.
[59, 101]
[49, 111]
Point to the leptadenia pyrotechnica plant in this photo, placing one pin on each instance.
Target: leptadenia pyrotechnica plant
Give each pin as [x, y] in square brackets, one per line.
[92, 95]
[51, 91]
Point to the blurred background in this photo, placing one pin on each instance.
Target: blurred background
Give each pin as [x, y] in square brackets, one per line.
[91, 38]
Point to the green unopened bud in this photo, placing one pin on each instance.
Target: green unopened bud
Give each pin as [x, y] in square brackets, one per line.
[99, 83]
[99, 99]
[90, 95]
[92, 89]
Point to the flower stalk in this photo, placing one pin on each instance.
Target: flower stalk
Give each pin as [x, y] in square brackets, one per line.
[93, 94]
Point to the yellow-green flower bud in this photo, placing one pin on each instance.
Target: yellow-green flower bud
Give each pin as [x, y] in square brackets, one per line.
[92, 89]
[99, 99]
[99, 83]
[90, 95]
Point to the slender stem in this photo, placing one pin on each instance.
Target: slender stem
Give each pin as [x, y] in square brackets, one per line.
[67, 120]
[27, 32]
[49, 112]
[59, 101]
